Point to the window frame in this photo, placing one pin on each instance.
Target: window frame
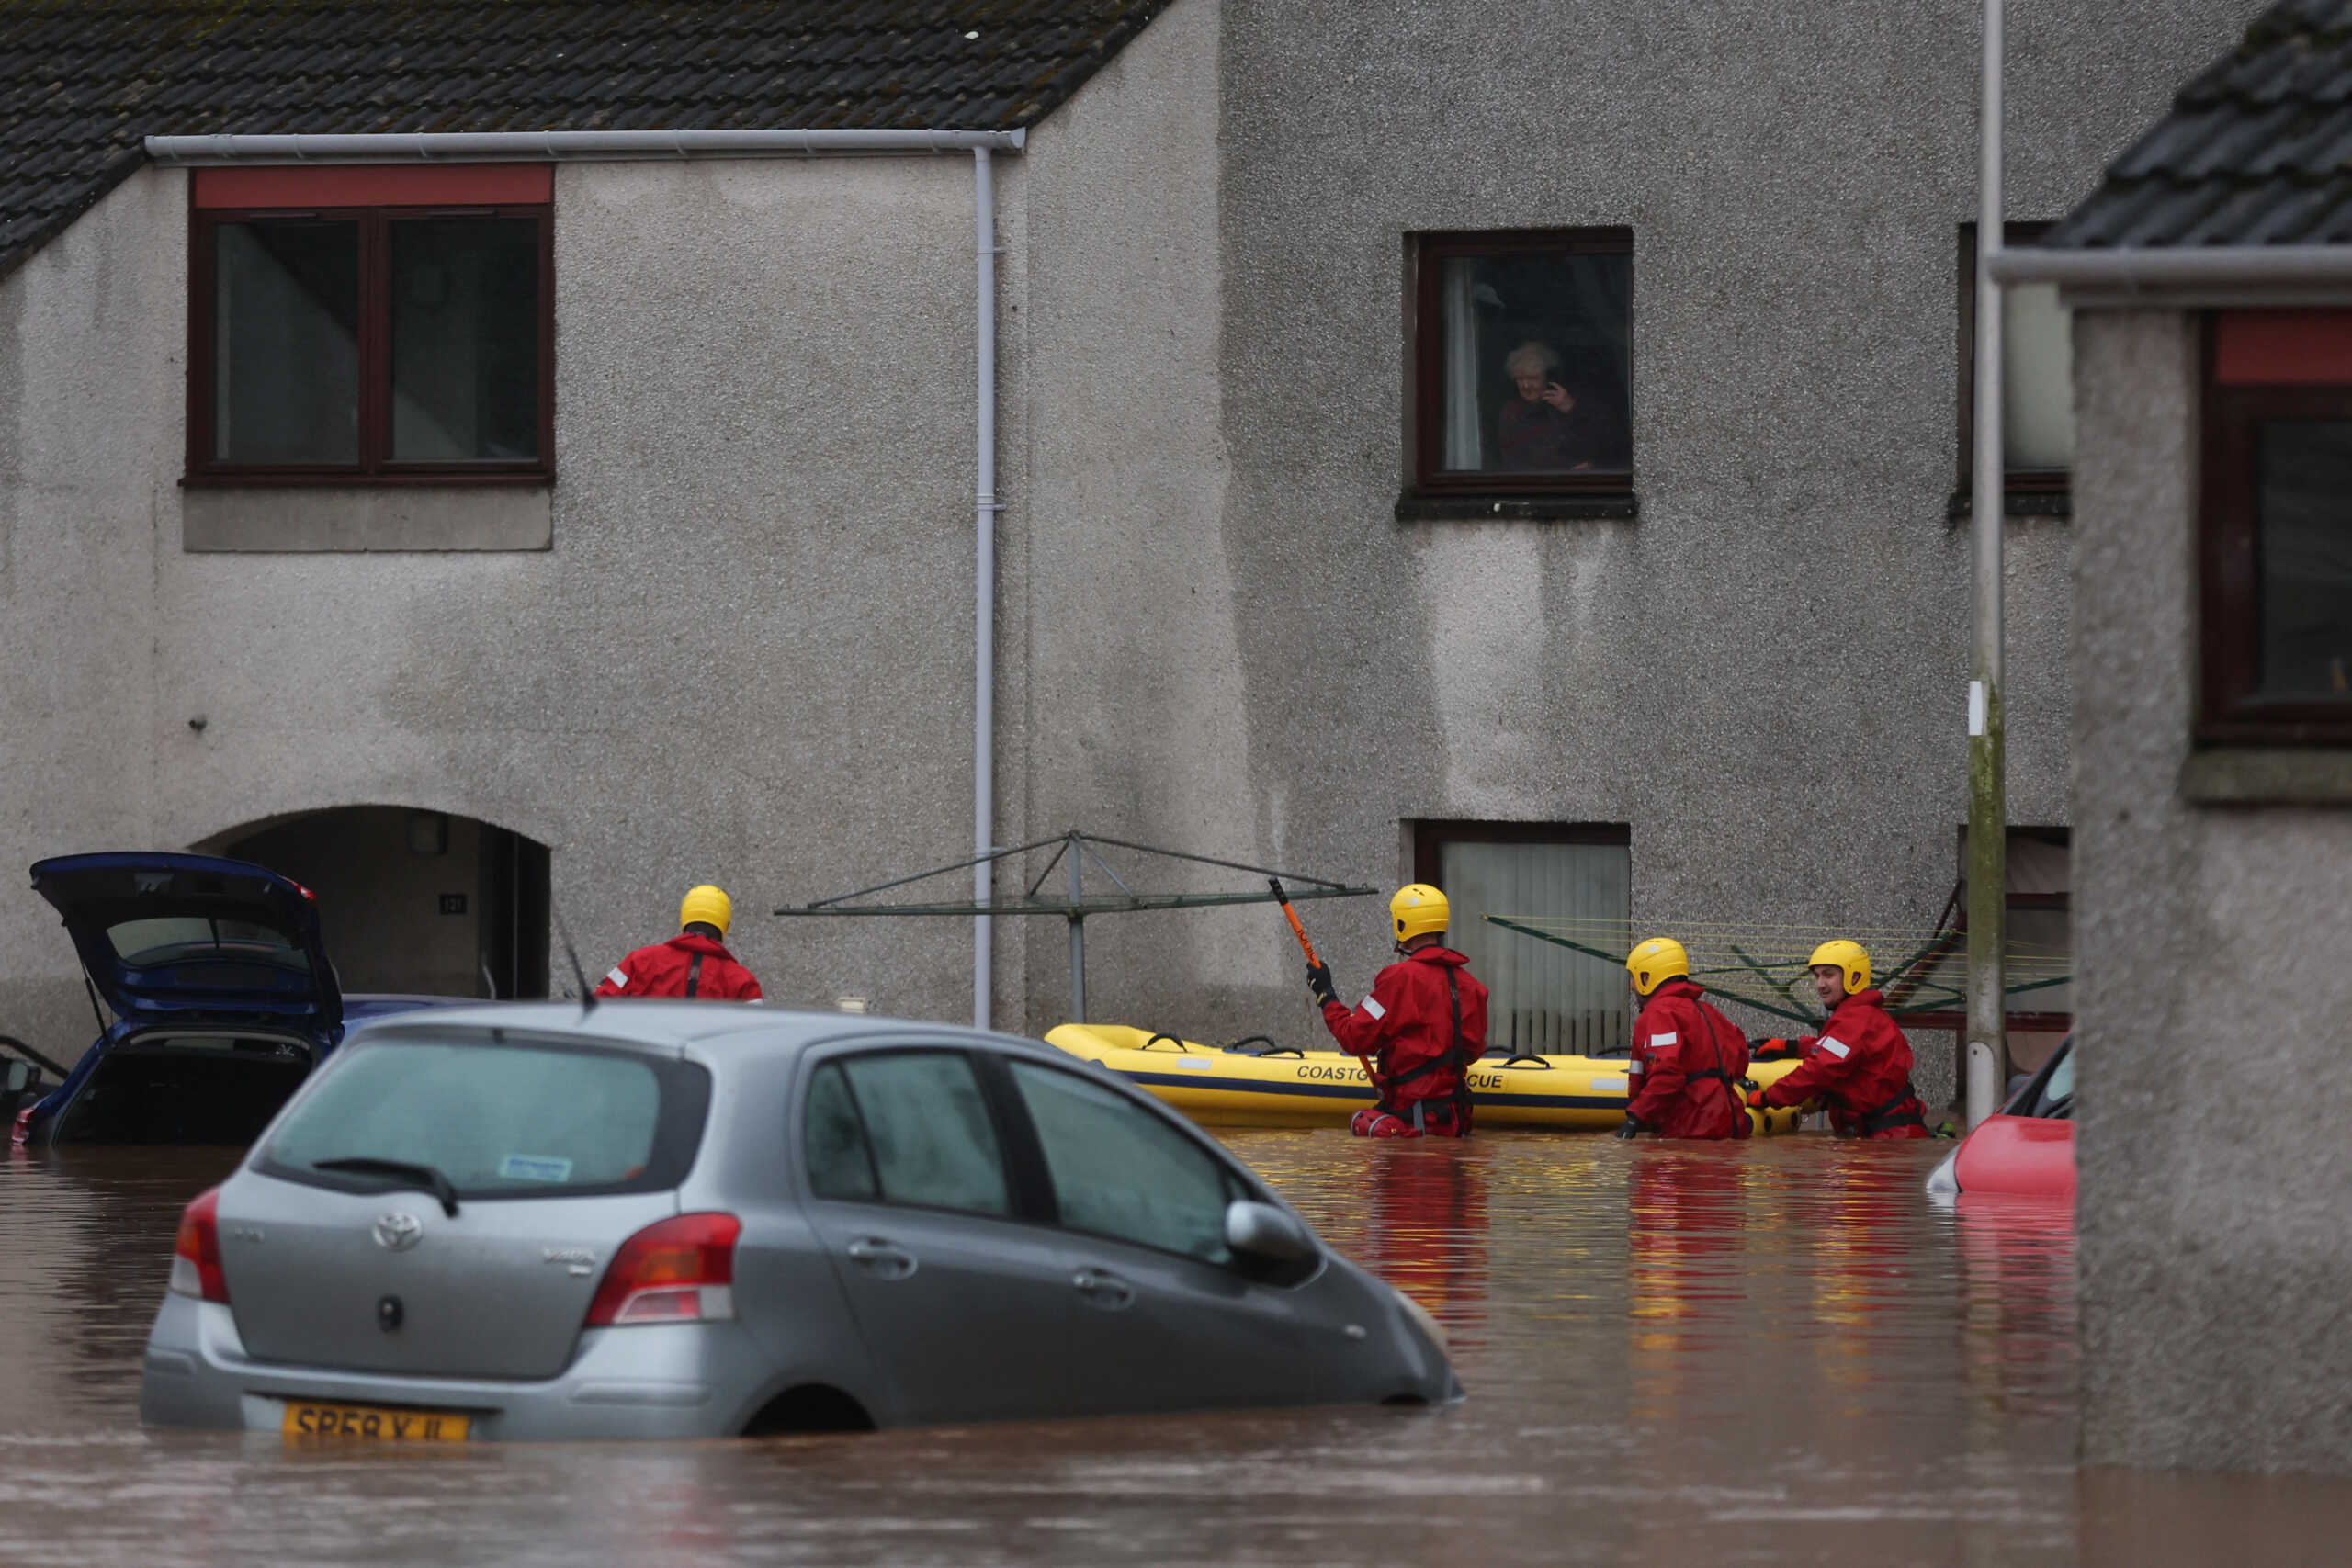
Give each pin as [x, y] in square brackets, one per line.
[1237, 1188]
[2229, 617]
[1432, 834]
[375, 466]
[2024, 491]
[1018, 1148]
[1427, 478]
[1028, 1189]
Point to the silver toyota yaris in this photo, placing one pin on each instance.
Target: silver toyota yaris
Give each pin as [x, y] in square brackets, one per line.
[682, 1219]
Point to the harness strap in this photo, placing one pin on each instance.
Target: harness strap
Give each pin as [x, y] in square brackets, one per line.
[1879, 1118]
[1458, 1057]
[694, 975]
[1741, 1125]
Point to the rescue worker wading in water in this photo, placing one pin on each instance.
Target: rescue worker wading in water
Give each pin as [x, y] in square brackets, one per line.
[1860, 1065]
[1420, 1029]
[1687, 1058]
[695, 963]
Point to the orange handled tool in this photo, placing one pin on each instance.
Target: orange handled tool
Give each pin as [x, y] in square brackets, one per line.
[1292, 915]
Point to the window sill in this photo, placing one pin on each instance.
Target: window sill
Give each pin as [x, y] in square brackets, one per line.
[1411, 508]
[2015, 503]
[358, 518]
[2247, 775]
[460, 479]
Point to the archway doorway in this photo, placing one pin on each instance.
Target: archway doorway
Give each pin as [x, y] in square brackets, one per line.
[418, 903]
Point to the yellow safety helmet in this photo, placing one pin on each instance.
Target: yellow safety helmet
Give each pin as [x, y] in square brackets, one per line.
[1849, 957]
[1655, 961]
[706, 906]
[1419, 909]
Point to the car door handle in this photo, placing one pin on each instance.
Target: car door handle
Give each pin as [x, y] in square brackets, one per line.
[1103, 1290]
[879, 1256]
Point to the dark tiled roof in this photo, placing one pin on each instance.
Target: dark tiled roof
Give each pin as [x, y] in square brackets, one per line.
[82, 80]
[2256, 151]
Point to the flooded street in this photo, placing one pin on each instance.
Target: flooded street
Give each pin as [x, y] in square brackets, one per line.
[1786, 1356]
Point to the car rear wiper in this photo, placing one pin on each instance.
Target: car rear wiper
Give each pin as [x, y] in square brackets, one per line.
[404, 1173]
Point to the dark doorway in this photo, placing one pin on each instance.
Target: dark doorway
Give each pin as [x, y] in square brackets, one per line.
[415, 903]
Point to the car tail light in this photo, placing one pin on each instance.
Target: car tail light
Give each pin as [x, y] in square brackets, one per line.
[195, 1256]
[680, 1270]
[21, 1133]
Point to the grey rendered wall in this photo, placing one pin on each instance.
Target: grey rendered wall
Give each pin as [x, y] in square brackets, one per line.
[1137, 702]
[747, 657]
[1763, 675]
[2215, 1256]
[89, 357]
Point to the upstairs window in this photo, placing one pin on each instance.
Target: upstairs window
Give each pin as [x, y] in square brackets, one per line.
[2037, 384]
[371, 325]
[2277, 529]
[1523, 364]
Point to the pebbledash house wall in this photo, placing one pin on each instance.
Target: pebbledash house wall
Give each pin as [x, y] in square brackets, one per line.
[1763, 675]
[746, 656]
[747, 653]
[2214, 1259]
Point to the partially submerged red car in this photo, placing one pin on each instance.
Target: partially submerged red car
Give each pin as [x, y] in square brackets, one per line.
[2024, 1150]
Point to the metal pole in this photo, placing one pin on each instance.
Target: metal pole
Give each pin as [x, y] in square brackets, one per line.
[1076, 935]
[984, 596]
[1988, 828]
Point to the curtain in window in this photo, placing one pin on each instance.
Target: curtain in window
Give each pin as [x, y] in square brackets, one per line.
[2036, 378]
[1465, 444]
[1544, 998]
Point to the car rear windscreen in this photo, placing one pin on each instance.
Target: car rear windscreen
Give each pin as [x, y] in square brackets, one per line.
[184, 939]
[499, 1121]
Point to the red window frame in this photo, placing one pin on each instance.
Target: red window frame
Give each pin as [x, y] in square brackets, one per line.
[2259, 365]
[1425, 376]
[374, 197]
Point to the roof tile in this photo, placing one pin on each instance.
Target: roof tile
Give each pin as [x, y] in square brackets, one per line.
[82, 80]
[2257, 148]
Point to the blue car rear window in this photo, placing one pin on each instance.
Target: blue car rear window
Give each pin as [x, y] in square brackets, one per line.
[183, 938]
[505, 1120]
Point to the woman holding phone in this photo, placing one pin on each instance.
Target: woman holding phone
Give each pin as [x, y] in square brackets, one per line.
[1538, 431]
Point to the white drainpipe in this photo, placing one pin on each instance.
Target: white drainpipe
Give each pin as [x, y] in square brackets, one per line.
[984, 578]
[542, 146]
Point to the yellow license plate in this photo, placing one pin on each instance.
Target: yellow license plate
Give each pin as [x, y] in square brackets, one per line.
[306, 1419]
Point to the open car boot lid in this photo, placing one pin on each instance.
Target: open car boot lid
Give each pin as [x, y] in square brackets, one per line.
[187, 939]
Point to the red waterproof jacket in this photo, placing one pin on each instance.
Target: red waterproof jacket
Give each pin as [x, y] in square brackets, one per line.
[688, 964]
[1686, 1058]
[1407, 1028]
[1860, 1067]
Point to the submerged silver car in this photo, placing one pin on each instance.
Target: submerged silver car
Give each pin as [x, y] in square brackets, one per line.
[684, 1219]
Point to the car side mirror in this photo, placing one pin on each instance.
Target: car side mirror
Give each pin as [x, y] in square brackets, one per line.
[15, 1076]
[1262, 1231]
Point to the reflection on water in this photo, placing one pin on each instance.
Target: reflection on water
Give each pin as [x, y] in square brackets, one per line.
[1775, 1352]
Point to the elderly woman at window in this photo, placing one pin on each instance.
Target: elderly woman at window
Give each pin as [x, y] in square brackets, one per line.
[1538, 431]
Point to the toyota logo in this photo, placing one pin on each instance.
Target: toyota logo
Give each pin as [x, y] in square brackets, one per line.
[397, 1232]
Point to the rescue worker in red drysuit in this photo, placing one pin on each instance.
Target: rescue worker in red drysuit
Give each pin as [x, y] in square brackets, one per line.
[1420, 1029]
[1688, 1058]
[1860, 1065]
[695, 963]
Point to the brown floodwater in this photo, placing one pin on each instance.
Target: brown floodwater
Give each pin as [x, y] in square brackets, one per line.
[1767, 1353]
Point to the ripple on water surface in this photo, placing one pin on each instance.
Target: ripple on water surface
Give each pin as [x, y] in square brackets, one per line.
[1775, 1352]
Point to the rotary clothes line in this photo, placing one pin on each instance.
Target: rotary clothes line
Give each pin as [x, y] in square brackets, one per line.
[1072, 851]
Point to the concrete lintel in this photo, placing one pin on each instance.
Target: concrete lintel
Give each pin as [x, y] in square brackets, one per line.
[2267, 776]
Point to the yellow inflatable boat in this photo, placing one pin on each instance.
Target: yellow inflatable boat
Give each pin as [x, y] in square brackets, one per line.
[1265, 1087]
